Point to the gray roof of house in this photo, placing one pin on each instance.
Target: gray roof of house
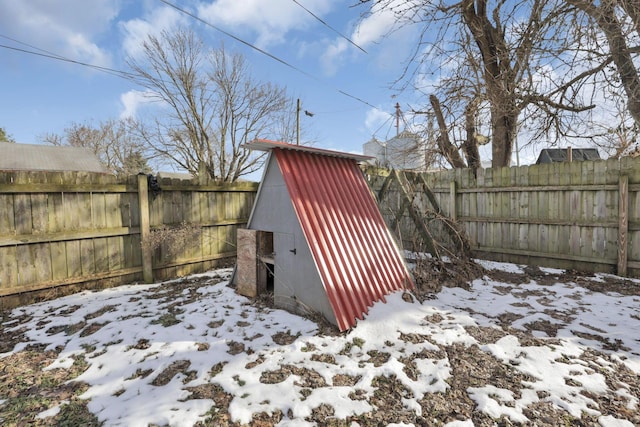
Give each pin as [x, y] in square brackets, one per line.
[551, 155]
[175, 175]
[31, 157]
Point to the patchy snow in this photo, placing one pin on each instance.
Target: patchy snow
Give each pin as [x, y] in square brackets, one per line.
[53, 411]
[148, 347]
[611, 421]
[488, 399]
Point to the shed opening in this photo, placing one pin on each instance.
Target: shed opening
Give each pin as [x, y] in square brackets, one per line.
[255, 265]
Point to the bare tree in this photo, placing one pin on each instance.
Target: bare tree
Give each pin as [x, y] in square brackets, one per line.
[500, 55]
[610, 17]
[113, 141]
[214, 106]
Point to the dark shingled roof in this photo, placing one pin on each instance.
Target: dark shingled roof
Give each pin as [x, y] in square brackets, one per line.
[551, 155]
[31, 157]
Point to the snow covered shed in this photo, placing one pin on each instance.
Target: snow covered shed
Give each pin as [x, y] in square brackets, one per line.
[316, 235]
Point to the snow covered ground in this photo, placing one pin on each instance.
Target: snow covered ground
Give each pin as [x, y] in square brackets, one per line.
[515, 347]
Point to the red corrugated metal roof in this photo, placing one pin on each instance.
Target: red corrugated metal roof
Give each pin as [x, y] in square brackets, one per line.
[355, 254]
[268, 145]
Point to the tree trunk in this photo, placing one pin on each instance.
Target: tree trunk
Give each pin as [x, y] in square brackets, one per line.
[499, 79]
[503, 124]
[447, 149]
[470, 146]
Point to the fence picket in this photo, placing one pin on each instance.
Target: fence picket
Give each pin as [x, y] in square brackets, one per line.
[562, 215]
[68, 228]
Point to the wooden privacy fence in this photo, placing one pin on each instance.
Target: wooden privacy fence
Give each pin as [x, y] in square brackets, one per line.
[82, 230]
[580, 215]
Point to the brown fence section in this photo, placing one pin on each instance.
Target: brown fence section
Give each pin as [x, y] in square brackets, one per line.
[580, 215]
[81, 230]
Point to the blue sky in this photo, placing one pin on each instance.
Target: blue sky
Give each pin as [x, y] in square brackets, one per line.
[41, 95]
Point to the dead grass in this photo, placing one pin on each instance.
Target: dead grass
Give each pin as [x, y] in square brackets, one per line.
[29, 390]
[172, 240]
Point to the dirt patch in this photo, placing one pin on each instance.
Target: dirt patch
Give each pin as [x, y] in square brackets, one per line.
[508, 277]
[235, 347]
[432, 274]
[177, 367]
[612, 284]
[10, 338]
[324, 358]
[98, 313]
[307, 378]
[551, 329]
[92, 329]
[67, 329]
[485, 335]
[607, 343]
[506, 319]
[344, 380]
[284, 338]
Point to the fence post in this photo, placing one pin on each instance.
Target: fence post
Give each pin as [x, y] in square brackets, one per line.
[623, 224]
[452, 201]
[143, 203]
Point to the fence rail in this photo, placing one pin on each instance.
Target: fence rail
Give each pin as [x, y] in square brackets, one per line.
[81, 230]
[580, 215]
[73, 228]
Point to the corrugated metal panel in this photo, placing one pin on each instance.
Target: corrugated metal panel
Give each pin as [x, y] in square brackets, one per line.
[356, 255]
[268, 145]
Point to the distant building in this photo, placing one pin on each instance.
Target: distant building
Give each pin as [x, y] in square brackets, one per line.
[183, 176]
[405, 152]
[31, 157]
[553, 155]
[376, 149]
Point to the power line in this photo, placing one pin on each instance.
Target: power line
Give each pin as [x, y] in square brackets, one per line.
[124, 74]
[28, 45]
[357, 99]
[264, 52]
[329, 26]
[238, 39]
[131, 76]
[47, 54]
[118, 73]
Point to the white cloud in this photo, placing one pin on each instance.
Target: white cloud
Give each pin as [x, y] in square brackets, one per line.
[375, 119]
[375, 26]
[66, 27]
[137, 30]
[381, 28]
[269, 20]
[133, 100]
[333, 56]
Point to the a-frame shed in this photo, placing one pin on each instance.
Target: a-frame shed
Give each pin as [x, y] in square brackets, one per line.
[320, 236]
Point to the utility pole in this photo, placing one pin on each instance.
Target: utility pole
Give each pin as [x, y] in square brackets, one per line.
[298, 122]
[398, 112]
